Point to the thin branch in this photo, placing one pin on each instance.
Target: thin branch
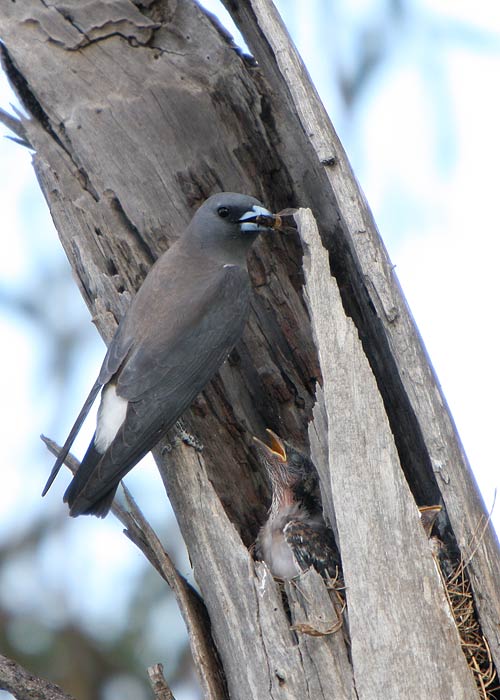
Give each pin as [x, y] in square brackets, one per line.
[23, 685]
[17, 127]
[192, 607]
[161, 691]
[477, 540]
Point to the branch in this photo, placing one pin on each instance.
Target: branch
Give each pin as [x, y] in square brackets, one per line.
[192, 607]
[25, 686]
[161, 691]
[17, 127]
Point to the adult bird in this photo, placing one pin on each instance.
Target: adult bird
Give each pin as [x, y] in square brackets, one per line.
[294, 536]
[184, 320]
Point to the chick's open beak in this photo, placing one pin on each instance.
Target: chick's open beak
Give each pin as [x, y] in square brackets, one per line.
[276, 447]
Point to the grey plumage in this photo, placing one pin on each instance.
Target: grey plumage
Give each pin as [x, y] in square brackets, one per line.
[185, 319]
[294, 536]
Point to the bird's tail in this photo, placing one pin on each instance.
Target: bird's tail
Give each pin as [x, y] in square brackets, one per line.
[75, 496]
[98, 508]
[63, 453]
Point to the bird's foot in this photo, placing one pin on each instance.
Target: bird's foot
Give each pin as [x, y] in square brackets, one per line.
[178, 434]
[319, 630]
[187, 437]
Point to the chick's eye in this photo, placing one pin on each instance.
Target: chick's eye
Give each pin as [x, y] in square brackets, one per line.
[223, 212]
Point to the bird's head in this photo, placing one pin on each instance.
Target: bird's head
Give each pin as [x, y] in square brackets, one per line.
[287, 467]
[428, 516]
[228, 223]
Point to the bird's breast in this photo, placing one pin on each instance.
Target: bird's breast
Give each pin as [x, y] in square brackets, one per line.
[276, 552]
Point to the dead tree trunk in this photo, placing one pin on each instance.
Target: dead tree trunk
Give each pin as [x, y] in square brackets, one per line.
[138, 112]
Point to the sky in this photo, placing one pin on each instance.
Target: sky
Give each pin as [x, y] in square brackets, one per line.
[423, 141]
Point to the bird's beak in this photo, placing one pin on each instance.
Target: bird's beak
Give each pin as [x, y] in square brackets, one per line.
[259, 219]
[428, 515]
[276, 448]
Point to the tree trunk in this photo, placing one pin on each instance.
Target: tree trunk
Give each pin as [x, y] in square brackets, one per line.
[138, 113]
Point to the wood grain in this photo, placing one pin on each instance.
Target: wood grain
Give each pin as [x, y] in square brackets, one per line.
[404, 642]
[429, 447]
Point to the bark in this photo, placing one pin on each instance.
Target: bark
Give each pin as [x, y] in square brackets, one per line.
[159, 684]
[138, 113]
[193, 610]
[23, 685]
[381, 539]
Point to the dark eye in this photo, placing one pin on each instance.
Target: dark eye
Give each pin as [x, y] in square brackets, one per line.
[223, 212]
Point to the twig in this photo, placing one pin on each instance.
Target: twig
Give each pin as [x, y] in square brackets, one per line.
[480, 538]
[192, 608]
[475, 646]
[23, 685]
[161, 691]
[17, 127]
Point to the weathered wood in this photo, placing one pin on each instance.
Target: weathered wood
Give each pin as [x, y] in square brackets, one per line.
[25, 686]
[395, 598]
[258, 650]
[323, 644]
[138, 114]
[159, 685]
[137, 529]
[432, 455]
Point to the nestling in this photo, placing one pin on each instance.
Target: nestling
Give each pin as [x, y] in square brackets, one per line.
[295, 536]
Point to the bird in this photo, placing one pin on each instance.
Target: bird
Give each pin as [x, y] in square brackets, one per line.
[295, 535]
[185, 319]
[446, 556]
[428, 516]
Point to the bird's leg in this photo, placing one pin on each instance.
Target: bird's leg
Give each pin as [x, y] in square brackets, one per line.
[312, 631]
[187, 437]
[179, 433]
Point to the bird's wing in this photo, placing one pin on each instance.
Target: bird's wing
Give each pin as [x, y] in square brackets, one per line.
[313, 545]
[165, 282]
[160, 378]
[188, 337]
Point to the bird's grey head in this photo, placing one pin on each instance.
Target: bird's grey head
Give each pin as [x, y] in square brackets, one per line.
[228, 223]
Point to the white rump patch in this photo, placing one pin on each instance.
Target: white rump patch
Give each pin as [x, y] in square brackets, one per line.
[110, 416]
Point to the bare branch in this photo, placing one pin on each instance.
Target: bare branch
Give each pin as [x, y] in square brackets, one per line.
[16, 126]
[23, 685]
[192, 608]
[159, 685]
